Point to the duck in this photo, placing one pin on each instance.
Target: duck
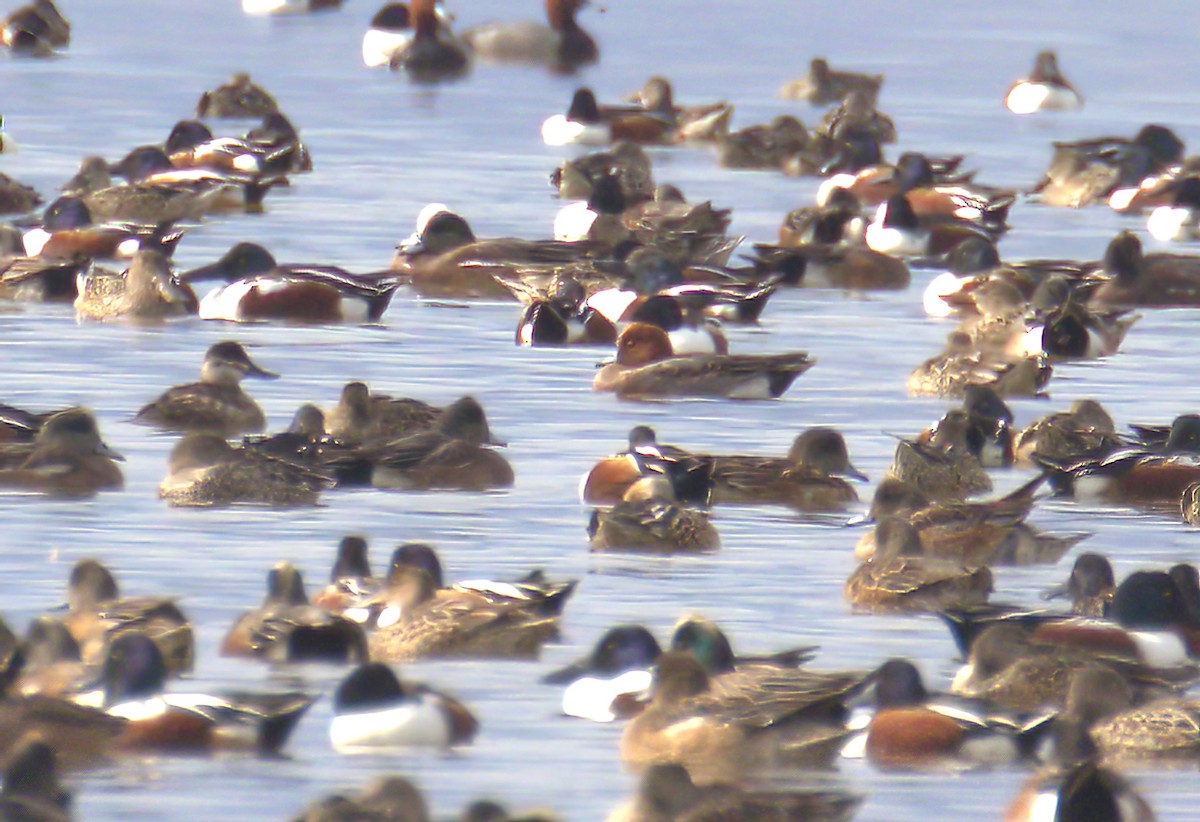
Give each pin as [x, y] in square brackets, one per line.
[240, 98]
[1079, 791]
[450, 455]
[134, 689]
[902, 578]
[216, 404]
[444, 259]
[646, 366]
[609, 479]
[15, 196]
[945, 462]
[215, 186]
[533, 591]
[666, 793]
[1159, 730]
[1189, 504]
[384, 797]
[810, 478]
[461, 624]
[1084, 429]
[97, 614]
[609, 683]
[146, 291]
[365, 417]
[1178, 219]
[373, 709]
[1029, 669]
[560, 44]
[1131, 278]
[1090, 586]
[68, 232]
[277, 8]
[1045, 89]
[287, 628]
[588, 123]
[31, 790]
[66, 459]
[823, 85]
[47, 661]
[392, 29]
[913, 728]
[205, 471]
[723, 729]
[961, 364]
[626, 162]
[703, 123]
[764, 146]
[1088, 171]
[433, 53]
[258, 288]
[648, 519]
[1135, 474]
[37, 29]
[989, 532]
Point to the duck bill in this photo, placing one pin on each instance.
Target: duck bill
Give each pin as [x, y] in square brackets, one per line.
[254, 370]
[853, 473]
[212, 271]
[859, 520]
[1056, 591]
[568, 674]
[104, 451]
[413, 244]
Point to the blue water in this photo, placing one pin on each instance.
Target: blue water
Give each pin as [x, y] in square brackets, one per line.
[383, 148]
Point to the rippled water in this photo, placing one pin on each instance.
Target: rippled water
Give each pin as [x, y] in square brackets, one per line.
[383, 148]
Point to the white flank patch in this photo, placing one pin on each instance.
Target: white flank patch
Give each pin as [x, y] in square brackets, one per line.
[573, 222]
[1168, 223]
[379, 45]
[592, 697]
[418, 722]
[224, 301]
[35, 240]
[559, 131]
[941, 286]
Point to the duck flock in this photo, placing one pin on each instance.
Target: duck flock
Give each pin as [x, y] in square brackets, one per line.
[630, 422]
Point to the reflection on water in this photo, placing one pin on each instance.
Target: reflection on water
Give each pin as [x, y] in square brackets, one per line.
[383, 148]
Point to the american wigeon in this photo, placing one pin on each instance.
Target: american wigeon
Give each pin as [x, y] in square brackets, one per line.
[216, 404]
[646, 366]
